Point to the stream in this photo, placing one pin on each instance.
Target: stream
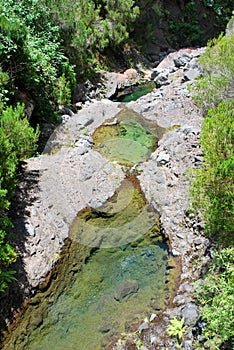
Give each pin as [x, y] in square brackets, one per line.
[114, 270]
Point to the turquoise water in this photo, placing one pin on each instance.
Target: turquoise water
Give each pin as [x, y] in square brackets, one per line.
[131, 140]
[135, 92]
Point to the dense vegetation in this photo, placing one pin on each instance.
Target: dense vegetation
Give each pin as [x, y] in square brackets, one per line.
[213, 188]
[47, 45]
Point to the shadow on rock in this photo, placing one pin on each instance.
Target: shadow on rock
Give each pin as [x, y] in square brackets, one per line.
[13, 298]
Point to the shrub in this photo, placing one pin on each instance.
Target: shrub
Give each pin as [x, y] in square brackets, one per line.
[213, 188]
[216, 295]
[17, 141]
[217, 82]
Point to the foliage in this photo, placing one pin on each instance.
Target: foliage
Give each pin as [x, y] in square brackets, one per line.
[31, 53]
[88, 27]
[188, 29]
[222, 9]
[213, 188]
[216, 295]
[17, 141]
[5, 278]
[176, 328]
[217, 82]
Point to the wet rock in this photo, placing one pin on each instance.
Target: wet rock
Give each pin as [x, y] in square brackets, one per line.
[36, 321]
[125, 289]
[190, 314]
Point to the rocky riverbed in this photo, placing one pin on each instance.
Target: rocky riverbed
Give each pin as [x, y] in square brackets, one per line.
[70, 175]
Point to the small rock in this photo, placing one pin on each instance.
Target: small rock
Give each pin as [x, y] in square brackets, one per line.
[188, 345]
[181, 60]
[152, 317]
[29, 228]
[175, 252]
[143, 326]
[162, 79]
[197, 241]
[190, 314]
[163, 158]
[192, 74]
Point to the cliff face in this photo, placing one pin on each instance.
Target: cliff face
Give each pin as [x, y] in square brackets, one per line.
[168, 24]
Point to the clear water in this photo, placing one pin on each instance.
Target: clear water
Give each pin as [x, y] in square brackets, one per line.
[87, 315]
[131, 140]
[89, 301]
[135, 92]
[114, 272]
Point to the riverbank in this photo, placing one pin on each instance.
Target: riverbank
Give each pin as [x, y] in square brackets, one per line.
[70, 176]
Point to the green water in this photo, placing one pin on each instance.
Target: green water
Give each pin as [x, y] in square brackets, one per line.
[123, 219]
[129, 141]
[113, 270]
[87, 303]
[87, 315]
[135, 92]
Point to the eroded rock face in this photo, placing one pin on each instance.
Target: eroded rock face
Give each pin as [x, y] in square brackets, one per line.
[125, 289]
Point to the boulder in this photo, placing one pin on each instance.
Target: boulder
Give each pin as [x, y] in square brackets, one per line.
[191, 75]
[79, 94]
[125, 289]
[181, 59]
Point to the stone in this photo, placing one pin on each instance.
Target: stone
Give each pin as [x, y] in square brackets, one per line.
[163, 158]
[125, 289]
[175, 252]
[188, 345]
[162, 79]
[152, 317]
[190, 314]
[143, 326]
[79, 94]
[29, 228]
[111, 84]
[191, 75]
[181, 59]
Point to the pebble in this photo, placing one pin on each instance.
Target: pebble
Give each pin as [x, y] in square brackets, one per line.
[152, 317]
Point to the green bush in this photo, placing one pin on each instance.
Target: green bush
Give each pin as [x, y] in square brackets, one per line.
[216, 295]
[17, 141]
[88, 27]
[213, 188]
[31, 53]
[217, 82]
